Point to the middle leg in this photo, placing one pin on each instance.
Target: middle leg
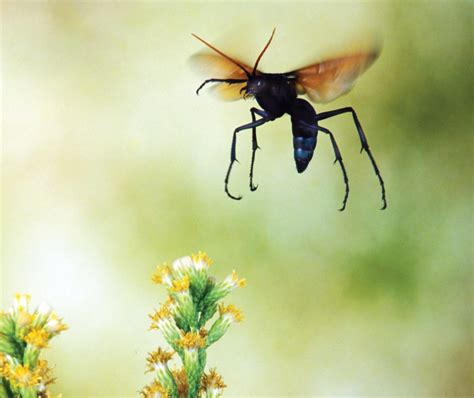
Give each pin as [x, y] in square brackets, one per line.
[233, 157]
[363, 140]
[255, 146]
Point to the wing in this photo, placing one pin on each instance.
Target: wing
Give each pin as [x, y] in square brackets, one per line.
[217, 67]
[325, 81]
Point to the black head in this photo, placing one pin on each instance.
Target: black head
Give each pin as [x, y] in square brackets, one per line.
[255, 85]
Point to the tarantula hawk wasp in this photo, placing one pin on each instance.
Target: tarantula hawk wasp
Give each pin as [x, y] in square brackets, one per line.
[277, 94]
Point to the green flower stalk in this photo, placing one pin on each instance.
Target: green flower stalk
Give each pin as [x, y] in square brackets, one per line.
[23, 335]
[193, 300]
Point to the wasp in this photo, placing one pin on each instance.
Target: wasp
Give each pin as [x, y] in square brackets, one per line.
[277, 94]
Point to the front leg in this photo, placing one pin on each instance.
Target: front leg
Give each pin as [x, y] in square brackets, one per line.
[233, 157]
[363, 140]
[228, 81]
[255, 146]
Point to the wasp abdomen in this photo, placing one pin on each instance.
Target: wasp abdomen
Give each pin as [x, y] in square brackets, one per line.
[304, 149]
[305, 133]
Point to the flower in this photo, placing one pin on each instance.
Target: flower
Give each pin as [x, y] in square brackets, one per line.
[3, 364]
[181, 381]
[172, 305]
[21, 302]
[201, 261]
[44, 374]
[162, 275]
[230, 313]
[43, 309]
[192, 341]
[161, 319]
[233, 281]
[55, 326]
[180, 285]
[164, 322]
[24, 319]
[154, 390]
[158, 359]
[182, 266]
[21, 376]
[38, 338]
[212, 383]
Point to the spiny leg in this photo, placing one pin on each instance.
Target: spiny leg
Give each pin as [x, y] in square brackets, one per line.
[233, 157]
[255, 146]
[228, 81]
[338, 159]
[363, 140]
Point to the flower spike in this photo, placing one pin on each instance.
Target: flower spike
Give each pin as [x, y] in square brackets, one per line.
[193, 299]
[23, 335]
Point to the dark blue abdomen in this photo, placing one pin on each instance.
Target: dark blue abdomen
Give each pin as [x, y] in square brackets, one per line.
[304, 149]
[305, 133]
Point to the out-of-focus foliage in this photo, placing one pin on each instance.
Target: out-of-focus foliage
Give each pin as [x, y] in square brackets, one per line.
[110, 162]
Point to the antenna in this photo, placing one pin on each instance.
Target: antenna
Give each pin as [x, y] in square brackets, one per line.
[221, 53]
[263, 51]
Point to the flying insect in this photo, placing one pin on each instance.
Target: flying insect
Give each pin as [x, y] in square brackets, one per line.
[277, 94]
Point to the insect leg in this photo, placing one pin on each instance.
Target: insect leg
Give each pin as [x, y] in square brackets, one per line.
[255, 146]
[229, 81]
[363, 140]
[338, 159]
[233, 157]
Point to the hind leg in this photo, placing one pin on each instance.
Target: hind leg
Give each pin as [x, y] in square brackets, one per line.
[338, 159]
[363, 140]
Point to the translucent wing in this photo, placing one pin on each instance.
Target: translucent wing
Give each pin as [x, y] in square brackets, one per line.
[217, 67]
[325, 81]
[228, 92]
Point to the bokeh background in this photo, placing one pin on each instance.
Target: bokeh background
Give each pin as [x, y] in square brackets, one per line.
[111, 165]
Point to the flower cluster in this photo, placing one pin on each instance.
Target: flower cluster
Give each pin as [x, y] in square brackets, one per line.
[193, 300]
[23, 334]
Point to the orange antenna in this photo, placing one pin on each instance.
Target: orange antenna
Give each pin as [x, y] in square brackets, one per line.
[221, 53]
[263, 51]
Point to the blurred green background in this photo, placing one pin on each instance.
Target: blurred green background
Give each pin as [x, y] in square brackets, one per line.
[111, 165]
